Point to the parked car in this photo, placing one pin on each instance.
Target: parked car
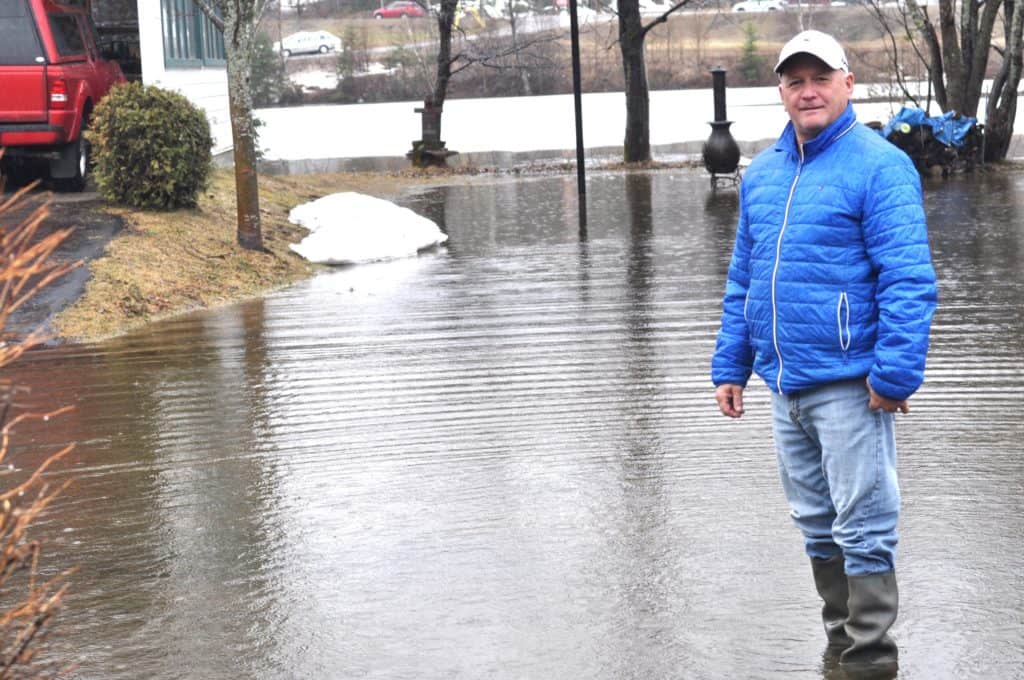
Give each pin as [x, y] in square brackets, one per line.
[53, 74]
[759, 6]
[308, 42]
[398, 9]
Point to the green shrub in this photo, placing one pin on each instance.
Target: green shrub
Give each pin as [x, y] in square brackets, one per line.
[752, 65]
[151, 147]
[268, 77]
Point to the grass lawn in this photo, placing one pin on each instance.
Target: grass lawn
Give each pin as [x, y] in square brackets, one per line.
[168, 263]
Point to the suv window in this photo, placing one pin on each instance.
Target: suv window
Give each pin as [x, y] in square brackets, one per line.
[19, 42]
[66, 35]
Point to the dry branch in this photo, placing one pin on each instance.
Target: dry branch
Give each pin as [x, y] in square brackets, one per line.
[26, 266]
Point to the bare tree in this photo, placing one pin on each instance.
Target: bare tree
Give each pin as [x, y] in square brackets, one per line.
[238, 20]
[482, 53]
[955, 43]
[636, 146]
[513, 24]
[445, 19]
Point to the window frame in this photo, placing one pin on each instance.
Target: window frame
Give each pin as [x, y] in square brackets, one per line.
[24, 26]
[68, 40]
[190, 40]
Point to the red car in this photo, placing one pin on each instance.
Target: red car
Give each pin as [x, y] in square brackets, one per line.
[399, 9]
[51, 76]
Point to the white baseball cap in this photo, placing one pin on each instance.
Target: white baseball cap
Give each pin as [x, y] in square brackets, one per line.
[818, 44]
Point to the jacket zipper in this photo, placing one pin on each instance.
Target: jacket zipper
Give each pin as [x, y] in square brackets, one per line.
[775, 269]
[843, 322]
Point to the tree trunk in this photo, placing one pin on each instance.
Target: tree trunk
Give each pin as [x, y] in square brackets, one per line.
[957, 56]
[1002, 104]
[977, 60]
[237, 20]
[524, 78]
[239, 36]
[952, 58]
[998, 134]
[445, 19]
[936, 72]
[247, 191]
[636, 146]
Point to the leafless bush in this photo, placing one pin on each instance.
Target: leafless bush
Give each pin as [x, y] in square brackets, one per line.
[28, 603]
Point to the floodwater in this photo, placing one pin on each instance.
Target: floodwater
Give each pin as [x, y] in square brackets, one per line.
[503, 460]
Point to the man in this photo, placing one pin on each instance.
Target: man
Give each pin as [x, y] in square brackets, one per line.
[829, 298]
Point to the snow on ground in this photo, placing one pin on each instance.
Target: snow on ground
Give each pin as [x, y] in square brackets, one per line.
[542, 123]
[522, 124]
[321, 80]
[350, 228]
[473, 125]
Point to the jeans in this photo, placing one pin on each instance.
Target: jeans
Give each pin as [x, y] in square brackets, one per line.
[837, 459]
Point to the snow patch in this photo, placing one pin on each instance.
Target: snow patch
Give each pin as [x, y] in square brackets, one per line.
[315, 80]
[349, 228]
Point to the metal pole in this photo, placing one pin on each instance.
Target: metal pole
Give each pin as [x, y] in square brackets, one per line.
[718, 87]
[581, 180]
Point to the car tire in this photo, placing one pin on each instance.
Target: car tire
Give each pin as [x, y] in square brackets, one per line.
[324, 49]
[286, 53]
[378, 16]
[81, 150]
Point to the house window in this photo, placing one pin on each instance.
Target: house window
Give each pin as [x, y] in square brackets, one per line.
[190, 38]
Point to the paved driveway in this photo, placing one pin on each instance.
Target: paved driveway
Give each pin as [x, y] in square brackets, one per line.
[93, 229]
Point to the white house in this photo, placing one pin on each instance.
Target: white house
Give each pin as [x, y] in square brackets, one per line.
[171, 44]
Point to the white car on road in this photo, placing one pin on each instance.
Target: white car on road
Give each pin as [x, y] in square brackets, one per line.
[759, 6]
[308, 42]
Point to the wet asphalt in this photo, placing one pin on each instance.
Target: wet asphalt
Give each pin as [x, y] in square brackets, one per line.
[92, 231]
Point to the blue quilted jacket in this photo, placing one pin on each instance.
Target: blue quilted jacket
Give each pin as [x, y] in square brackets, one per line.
[831, 275]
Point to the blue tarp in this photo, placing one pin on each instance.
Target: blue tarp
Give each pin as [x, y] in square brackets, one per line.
[947, 128]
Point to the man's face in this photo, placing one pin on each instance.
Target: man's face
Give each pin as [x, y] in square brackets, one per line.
[813, 94]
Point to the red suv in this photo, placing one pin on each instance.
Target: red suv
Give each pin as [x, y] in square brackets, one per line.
[51, 76]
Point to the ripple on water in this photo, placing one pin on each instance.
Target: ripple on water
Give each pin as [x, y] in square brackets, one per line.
[502, 459]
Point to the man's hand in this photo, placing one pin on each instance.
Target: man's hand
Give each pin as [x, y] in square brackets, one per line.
[730, 400]
[877, 401]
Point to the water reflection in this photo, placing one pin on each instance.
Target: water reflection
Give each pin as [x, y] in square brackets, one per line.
[502, 460]
[721, 208]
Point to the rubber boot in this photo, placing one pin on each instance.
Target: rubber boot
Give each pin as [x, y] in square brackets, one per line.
[830, 580]
[873, 603]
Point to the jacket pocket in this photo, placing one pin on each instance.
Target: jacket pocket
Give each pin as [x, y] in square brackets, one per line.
[843, 321]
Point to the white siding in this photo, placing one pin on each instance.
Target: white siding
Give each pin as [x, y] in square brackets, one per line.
[206, 87]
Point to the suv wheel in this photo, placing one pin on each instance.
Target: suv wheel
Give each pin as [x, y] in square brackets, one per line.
[286, 53]
[324, 49]
[79, 149]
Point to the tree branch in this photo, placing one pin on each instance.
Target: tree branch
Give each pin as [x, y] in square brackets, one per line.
[664, 17]
[491, 59]
[207, 8]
